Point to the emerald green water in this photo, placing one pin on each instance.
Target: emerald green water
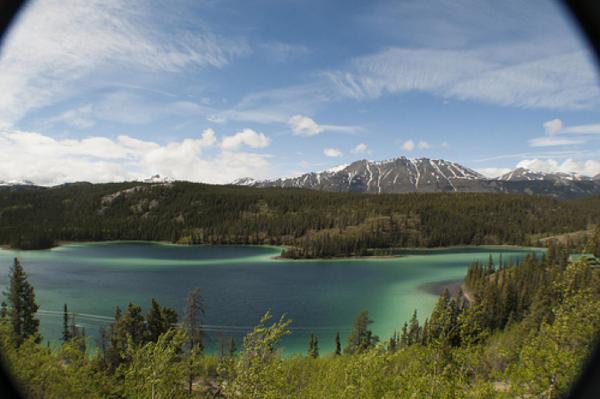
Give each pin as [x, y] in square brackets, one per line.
[239, 284]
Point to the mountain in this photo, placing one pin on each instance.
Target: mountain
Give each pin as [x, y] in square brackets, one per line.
[597, 177]
[17, 185]
[399, 175]
[405, 175]
[5, 183]
[523, 174]
[158, 179]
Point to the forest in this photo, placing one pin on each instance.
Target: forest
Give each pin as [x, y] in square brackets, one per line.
[519, 330]
[308, 224]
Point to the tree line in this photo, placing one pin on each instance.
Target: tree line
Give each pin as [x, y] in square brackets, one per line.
[309, 224]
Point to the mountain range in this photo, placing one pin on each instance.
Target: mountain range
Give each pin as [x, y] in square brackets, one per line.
[409, 175]
[406, 175]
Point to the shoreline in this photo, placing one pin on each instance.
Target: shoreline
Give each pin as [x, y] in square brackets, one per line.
[62, 243]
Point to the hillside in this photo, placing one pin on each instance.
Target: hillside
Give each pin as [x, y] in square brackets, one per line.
[311, 223]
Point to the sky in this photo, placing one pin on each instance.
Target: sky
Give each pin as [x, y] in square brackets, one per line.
[215, 90]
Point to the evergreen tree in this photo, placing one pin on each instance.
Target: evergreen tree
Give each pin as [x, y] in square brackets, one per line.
[67, 332]
[159, 320]
[393, 342]
[361, 338]
[231, 347]
[133, 323]
[442, 324]
[338, 344]
[193, 318]
[22, 306]
[313, 346]
[414, 330]
[117, 342]
[3, 310]
[404, 341]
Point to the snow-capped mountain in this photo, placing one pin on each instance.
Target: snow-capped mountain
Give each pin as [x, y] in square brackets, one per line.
[523, 174]
[405, 175]
[245, 181]
[158, 179]
[397, 175]
[16, 183]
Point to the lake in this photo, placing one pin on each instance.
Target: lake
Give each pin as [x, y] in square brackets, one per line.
[239, 284]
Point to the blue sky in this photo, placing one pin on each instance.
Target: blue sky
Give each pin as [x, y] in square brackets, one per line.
[215, 90]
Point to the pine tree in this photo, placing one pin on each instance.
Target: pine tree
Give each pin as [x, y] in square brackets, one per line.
[159, 320]
[192, 319]
[67, 334]
[313, 346]
[414, 331]
[338, 344]
[133, 323]
[443, 322]
[361, 338]
[117, 342]
[404, 342]
[231, 347]
[22, 306]
[393, 342]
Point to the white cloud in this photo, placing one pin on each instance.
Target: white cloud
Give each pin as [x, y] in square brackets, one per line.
[49, 161]
[553, 126]
[408, 145]
[361, 148]
[304, 126]
[246, 137]
[332, 152]
[590, 167]
[559, 134]
[53, 50]
[514, 75]
[423, 145]
[493, 172]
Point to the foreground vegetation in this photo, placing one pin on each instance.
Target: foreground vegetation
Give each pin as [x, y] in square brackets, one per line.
[525, 334]
[309, 223]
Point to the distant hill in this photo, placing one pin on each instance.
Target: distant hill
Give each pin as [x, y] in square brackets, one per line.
[406, 175]
[309, 223]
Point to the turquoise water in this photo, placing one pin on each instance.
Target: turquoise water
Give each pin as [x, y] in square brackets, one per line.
[240, 283]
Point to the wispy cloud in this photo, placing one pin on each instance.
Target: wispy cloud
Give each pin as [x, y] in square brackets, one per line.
[54, 48]
[553, 141]
[559, 81]
[274, 105]
[277, 51]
